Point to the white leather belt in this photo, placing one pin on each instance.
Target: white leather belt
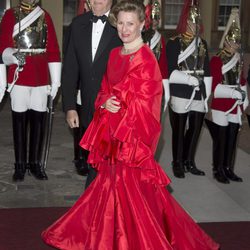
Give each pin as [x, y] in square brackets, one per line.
[33, 51]
[198, 72]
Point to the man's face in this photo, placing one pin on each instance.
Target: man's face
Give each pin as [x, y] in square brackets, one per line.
[191, 27]
[100, 7]
[231, 46]
[155, 24]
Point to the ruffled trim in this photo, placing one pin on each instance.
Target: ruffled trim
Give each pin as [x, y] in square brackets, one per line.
[113, 137]
[126, 149]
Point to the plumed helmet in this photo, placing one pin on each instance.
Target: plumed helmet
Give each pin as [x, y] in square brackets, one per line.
[232, 32]
[190, 12]
[153, 12]
[194, 14]
[156, 10]
[34, 2]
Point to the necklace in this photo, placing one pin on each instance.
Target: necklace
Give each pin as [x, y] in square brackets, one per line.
[133, 46]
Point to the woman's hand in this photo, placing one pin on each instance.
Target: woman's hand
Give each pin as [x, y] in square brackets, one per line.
[112, 105]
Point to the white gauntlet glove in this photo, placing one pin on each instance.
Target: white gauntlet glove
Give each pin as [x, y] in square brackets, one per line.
[193, 81]
[225, 91]
[55, 77]
[11, 56]
[166, 92]
[208, 86]
[246, 101]
[3, 81]
[236, 95]
[180, 77]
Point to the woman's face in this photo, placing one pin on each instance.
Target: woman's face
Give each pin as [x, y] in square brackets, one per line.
[231, 46]
[128, 26]
[191, 27]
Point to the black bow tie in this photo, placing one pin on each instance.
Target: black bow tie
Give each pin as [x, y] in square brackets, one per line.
[103, 18]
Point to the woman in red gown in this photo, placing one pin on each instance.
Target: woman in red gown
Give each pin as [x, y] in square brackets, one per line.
[127, 206]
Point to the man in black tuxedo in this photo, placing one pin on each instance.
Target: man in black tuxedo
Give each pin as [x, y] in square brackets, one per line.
[90, 42]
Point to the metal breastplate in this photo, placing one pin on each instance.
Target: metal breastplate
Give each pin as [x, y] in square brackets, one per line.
[231, 76]
[34, 36]
[147, 37]
[190, 63]
[157, 50]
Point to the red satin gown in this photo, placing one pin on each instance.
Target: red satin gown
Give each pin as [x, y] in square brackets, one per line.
[127, 206]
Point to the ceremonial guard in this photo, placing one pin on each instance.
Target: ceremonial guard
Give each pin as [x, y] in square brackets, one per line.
[28, 45]
[229, 100]
[157, 43]
[190, 86]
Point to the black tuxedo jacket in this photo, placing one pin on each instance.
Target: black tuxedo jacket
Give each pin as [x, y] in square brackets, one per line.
[79, 68]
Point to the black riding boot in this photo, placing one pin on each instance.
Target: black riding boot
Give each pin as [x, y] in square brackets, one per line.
[192, 135]
[178, 123]
[19, 121]
[37, 120]
[230, 150]
[218, 134]
[248, 119]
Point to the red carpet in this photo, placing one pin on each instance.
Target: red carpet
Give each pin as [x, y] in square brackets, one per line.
[20, 229]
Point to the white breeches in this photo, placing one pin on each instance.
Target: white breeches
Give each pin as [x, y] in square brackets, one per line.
[222, 119]
[178, 105]
[24, 98]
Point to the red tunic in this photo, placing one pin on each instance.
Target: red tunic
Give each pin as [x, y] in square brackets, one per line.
[221, 104]
[163, 59]
[35, 71]
[127, 206]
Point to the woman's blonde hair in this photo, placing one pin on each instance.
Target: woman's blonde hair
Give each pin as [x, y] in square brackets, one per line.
[136, 6]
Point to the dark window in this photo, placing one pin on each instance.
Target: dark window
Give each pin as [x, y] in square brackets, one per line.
[172, 12]
[4, 4]
[225, 7]
[70, 11]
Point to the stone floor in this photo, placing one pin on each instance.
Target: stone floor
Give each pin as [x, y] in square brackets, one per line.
[204, 198]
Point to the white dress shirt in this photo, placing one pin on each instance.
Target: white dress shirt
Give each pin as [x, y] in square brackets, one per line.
[97, 30]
